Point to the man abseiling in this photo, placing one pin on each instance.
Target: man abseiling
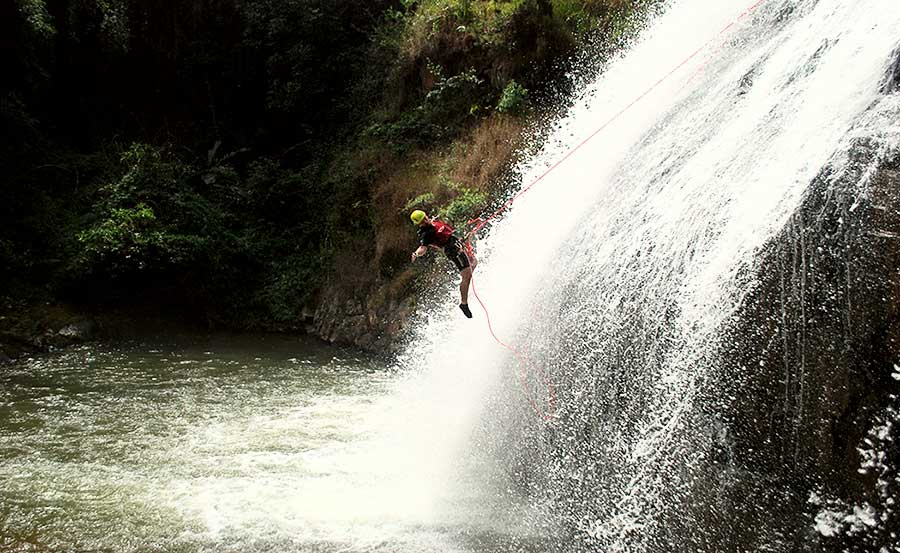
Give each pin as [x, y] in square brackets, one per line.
[437, 234]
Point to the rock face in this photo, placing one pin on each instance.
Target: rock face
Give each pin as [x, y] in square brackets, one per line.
[815, 345]
[371, 318]
[794, 431]
[804, 384]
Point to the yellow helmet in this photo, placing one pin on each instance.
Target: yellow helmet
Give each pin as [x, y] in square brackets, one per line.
[417, 216]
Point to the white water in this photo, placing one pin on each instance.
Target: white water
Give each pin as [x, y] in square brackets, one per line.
[652, 227]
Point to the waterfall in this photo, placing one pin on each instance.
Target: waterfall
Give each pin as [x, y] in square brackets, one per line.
[635, 277]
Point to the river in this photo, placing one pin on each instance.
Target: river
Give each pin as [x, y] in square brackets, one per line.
[232, 444]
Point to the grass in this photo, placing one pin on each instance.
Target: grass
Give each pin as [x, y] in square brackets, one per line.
[454, 183]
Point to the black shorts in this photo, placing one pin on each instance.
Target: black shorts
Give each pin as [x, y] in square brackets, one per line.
[456, 253]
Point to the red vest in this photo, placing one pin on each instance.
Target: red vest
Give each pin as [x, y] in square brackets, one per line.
[442, 231]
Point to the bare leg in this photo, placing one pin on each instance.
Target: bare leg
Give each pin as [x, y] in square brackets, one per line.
[466, 275]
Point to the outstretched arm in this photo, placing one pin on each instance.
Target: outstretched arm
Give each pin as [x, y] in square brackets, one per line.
[420, 251]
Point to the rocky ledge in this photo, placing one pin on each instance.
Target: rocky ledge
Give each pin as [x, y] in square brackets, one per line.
[26, 331]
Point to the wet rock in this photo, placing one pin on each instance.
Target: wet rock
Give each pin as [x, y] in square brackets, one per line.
[891, 82]
[807, 361]
[79, 331]
[15, 345]
[370, 317]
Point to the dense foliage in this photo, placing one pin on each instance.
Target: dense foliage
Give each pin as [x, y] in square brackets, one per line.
[218, 155]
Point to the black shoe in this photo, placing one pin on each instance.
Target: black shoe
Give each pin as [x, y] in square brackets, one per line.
[465, 310]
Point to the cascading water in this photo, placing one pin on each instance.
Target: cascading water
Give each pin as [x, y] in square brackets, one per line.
[625, 277]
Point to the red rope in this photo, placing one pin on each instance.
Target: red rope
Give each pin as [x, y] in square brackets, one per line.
[524, 361]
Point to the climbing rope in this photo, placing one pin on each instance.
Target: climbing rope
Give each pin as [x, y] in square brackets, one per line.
[524, 361]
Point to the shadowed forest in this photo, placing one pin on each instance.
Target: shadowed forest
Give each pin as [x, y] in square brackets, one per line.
[226, 162]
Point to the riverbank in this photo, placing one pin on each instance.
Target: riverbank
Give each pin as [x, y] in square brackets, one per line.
[38, 329]
[30, 329]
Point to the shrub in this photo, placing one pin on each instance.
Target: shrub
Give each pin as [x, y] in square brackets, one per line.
[289, 284]
[150, 218]
[514, 99]
[467, 205]
[422, 201]
[442, 113]
[124, 234]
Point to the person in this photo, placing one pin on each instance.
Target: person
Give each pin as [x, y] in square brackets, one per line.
[437, 234]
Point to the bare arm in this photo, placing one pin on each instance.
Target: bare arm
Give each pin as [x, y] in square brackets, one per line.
[420, 251]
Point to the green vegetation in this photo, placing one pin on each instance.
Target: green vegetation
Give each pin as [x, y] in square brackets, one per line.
[514, 98]
[224, 157]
